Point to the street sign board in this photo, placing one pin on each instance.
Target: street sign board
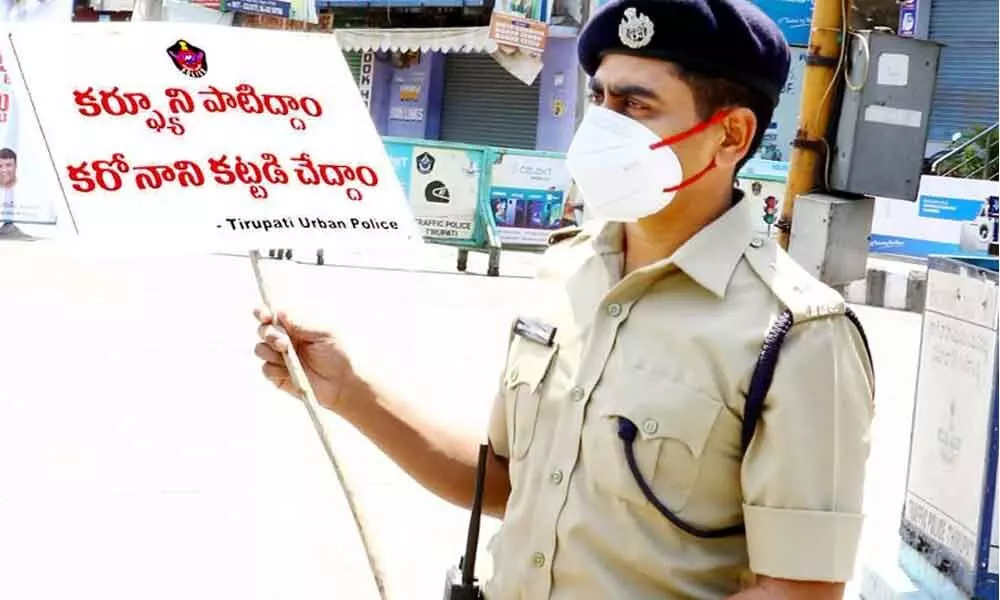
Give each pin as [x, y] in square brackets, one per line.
[949, 510]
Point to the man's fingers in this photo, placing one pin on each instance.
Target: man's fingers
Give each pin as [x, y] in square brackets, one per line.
[275, 372]
[272, 337]
[300, 331]
[278, 375]
[268, 354]
[262, 315]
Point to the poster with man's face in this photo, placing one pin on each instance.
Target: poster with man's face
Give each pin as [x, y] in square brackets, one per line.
[8, 168]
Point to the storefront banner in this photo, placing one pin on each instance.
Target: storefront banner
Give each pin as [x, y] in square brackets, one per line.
[776, 147]
[271, 8]
[190, 138]
[519, 32]
[522, 9]
[527, 197]
[29, 190]
[950, 216]
[442, 185]
[794, 18]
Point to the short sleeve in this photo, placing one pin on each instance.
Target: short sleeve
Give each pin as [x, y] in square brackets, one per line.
[803, 475]
[497, 433]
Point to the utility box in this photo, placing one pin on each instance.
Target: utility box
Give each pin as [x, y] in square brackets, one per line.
[882, 128]
[830, 237]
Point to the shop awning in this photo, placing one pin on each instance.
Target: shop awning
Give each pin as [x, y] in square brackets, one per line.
[443, 39]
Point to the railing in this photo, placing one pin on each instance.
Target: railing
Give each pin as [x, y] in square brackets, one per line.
[989, 158]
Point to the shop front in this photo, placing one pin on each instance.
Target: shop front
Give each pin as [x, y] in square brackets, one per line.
[446, 85]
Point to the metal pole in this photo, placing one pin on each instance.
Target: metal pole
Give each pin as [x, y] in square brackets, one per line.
[823, 66]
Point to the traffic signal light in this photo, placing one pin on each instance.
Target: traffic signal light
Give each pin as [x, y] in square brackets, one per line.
[770, 210]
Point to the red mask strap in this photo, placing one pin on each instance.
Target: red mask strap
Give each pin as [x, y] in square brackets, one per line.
[691, 179]
[693, 131]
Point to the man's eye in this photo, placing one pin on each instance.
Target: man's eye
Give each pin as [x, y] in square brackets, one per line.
[633, 104]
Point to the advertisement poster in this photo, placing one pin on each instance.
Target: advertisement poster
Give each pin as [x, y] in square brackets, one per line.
[442, 185]
[29, 191]
[775, 150]
[950, 216]
[189, 137]
[527, 197]
[794, 17]
[907, 18]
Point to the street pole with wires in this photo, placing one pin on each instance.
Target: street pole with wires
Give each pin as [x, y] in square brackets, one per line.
[810, 150]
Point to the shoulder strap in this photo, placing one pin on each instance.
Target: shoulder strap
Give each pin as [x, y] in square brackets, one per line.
[763, 372]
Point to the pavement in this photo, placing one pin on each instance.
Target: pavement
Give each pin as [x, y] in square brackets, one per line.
[143, 456]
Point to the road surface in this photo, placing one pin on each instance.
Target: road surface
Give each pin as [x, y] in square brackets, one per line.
[143, 456]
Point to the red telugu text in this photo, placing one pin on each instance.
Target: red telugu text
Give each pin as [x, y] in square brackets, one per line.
[244, 99]
[113, 174]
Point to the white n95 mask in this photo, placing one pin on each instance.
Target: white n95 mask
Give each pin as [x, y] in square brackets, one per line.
[625, 171]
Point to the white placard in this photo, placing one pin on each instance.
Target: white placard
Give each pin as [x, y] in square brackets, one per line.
[893, 69]
[196, 134]
[887, 115]
[951, 425]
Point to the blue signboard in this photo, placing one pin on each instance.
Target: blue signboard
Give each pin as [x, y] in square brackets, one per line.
[273, 8]
[908, 18]
[794, 17]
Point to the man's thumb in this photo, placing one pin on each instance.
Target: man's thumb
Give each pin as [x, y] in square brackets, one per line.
[299, 331]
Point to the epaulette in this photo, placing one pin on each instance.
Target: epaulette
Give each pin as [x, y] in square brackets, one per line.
[803, 295]
[563, 234]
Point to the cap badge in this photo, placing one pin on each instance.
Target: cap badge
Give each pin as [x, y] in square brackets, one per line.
[635, 29]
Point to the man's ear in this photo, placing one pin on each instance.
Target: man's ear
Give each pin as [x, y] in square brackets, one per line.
[740, 126]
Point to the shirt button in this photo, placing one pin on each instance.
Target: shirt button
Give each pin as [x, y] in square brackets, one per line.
[577, 394]
[650, 426]
[614, 309]
[756, 242]
[556, 476]
[513, 374]
[538, 559]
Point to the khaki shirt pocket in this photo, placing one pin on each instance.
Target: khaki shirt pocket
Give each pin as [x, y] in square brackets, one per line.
[527, 369]
[674, 423]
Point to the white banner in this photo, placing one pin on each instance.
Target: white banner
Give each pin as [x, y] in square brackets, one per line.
[207, 135]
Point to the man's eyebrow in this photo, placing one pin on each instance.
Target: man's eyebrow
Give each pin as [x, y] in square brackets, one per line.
[634, 90]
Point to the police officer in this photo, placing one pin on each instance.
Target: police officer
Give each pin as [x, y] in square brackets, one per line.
[617, 463]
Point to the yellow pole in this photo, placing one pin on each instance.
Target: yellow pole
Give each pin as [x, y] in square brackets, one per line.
[823, 65]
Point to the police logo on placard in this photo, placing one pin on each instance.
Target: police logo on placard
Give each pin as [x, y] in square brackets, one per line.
[635, 29]
[425, 163]
[188, 59]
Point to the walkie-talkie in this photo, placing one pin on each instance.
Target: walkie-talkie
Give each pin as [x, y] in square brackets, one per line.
[460, 582]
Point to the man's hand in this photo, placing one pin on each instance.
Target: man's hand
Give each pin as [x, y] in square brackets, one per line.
[329, 370]
[769, 588]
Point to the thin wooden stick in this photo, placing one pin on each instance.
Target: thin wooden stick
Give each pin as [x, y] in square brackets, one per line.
[301, 380]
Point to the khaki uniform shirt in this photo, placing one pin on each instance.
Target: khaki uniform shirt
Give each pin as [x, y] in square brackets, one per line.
[671, 347]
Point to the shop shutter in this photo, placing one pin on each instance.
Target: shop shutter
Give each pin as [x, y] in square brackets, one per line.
[966, 90]
[354, 63]
[484, 104]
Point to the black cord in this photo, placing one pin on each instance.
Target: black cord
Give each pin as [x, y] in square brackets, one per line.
[627, 431]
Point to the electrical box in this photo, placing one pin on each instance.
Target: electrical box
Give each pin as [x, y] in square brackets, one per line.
[881, 132]
[830, 237]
